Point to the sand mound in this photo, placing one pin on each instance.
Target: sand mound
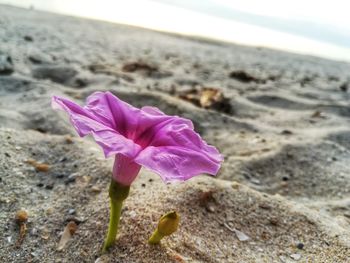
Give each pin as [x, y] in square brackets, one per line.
[221, 221]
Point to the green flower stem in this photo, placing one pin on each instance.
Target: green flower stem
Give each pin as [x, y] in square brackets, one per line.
[116, 209]
[117, 193]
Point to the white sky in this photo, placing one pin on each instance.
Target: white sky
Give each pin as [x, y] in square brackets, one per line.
[159, 16]
[335, 12]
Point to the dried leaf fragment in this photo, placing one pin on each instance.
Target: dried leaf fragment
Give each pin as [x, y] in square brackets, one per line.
[41, 167]
[68, 232]
[243, 76]
[21, 216]
[95, 189]
[138, 66]
[21, 219]
[208, 98]
[68, 139]
[45, 234]
[239, 234]
[318, 114]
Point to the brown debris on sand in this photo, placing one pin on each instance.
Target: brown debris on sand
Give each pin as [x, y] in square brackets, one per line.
[208, 98]
[21, 219]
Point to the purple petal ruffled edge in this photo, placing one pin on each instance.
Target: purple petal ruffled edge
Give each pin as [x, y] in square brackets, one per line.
[179, 163]
[86, 123]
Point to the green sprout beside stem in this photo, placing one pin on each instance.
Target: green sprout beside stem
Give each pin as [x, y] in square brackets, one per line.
[167, 225]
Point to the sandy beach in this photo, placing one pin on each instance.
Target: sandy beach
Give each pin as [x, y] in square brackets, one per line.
[281, 121]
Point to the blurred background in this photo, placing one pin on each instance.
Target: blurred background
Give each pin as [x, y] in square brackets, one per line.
[320, 28]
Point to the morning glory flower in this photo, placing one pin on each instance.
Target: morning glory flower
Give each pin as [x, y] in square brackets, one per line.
[147, 137]
[167, 145]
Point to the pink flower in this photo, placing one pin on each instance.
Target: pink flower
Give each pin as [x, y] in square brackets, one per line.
[147, 137]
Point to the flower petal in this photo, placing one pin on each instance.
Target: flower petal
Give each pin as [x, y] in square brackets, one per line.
[119, 113]
[125, 169]
[135, 124]
[179, 135]
[86, 122]
[152, 110]
[178, 153]
[177, 163]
